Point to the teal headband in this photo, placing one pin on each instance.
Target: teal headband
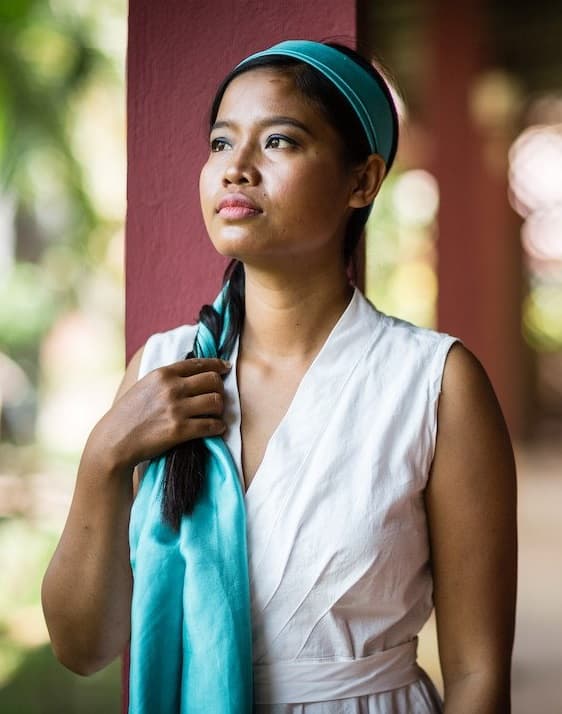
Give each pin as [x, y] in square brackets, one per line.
[361, 89]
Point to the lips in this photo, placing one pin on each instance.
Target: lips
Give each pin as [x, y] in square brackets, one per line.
[236, 205]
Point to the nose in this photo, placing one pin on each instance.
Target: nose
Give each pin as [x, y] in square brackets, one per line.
[241, 168]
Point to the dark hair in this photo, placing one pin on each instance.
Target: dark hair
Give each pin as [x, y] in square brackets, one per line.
[186, 462]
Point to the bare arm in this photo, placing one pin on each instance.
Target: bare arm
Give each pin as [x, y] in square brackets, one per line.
[87, 588]
[471, 502]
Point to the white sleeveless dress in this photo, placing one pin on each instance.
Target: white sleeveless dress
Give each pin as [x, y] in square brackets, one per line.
[338, 548]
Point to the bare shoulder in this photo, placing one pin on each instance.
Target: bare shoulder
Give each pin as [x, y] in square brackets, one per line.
[472, 436]
[469, 415]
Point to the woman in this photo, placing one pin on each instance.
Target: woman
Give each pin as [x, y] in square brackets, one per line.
[368, 474]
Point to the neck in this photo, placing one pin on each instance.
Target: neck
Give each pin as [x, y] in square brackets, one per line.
[289, 317]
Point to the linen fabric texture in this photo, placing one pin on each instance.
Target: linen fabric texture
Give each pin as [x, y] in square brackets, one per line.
[336, 533]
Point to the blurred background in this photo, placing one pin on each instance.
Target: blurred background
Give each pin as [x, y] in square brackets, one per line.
[62, 206]
[62, 209]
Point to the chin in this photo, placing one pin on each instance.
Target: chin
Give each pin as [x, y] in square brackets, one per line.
[230, 248]
[237, 244]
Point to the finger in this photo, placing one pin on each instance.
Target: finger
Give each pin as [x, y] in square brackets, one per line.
[197, 365]
[198, 428]
[205, 405]
[200, 384]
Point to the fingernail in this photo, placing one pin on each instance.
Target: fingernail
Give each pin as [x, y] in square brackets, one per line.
[227, 364]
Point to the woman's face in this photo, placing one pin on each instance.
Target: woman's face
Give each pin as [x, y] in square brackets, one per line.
[275, 187]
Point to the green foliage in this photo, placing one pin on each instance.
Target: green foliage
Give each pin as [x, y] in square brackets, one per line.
[52, 63]
[40, 685]
[31, 679]
[46, 59]
[27, 307]
[14, 12]
[25, 551]
[49, 61]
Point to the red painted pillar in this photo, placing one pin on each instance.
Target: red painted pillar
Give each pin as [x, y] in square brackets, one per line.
[479, 267]
[178, 51]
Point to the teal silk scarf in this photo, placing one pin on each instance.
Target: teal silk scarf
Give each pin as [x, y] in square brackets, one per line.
[191, 637]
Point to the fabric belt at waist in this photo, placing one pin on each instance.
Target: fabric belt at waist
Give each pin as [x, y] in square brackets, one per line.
[301, 681]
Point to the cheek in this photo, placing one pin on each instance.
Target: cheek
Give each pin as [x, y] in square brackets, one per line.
[209, 183]
[316, 194]
[204, 187]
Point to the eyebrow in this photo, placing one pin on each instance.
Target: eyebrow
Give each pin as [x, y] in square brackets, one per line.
[268, 121]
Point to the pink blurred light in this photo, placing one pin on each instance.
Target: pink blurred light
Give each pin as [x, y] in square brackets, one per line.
[535, 173]
[541, 234]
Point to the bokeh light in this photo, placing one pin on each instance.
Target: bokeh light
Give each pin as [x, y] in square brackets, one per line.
[535, 191]
[535, 173]
[416, 198]
[541, 234]
[401, 275]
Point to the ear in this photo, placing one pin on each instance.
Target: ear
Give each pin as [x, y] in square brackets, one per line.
[368, 178]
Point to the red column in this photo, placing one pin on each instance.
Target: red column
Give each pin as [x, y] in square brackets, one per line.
[479, 266]
[177, 54]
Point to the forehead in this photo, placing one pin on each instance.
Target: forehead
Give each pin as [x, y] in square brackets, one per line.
[262, 91]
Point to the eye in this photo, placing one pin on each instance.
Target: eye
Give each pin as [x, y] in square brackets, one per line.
[219, 144]
[277, 141]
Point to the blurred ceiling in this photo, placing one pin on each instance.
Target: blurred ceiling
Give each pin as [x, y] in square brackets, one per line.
[521, 37]
[526, 39]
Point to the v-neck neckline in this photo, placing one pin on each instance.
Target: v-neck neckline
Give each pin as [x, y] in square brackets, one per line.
[234, 440]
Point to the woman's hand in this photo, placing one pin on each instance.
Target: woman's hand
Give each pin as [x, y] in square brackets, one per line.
[167, 406]
[87, 588]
